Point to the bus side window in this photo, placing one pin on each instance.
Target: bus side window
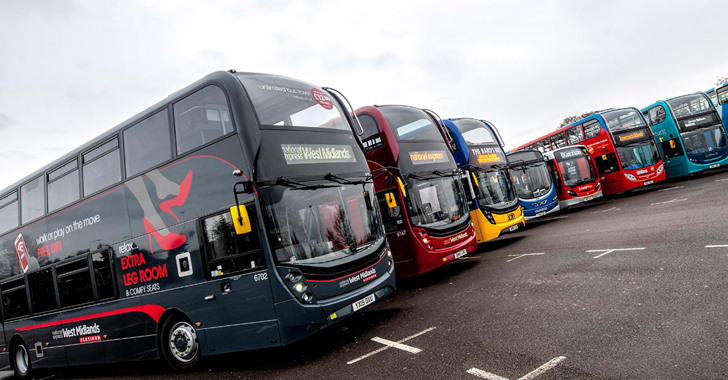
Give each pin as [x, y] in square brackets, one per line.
[42, 292]
[228, 252]
[657, 115]
[15, 300]
[147, 143]
[555, 174]
[391, 210]
[74, 283]
[105, 288]
[591, 129]
[9, 212]
[101, 167]
[575, 135]
[371, 138]
[201, 118]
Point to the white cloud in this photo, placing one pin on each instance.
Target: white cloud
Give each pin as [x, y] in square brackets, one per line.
[81, 67]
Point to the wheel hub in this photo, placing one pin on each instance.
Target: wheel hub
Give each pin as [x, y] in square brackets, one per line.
[183, 341]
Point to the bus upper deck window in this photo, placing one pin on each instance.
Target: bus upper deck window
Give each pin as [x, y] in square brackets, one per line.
[32, 204]
[591, 129]
[147, 143]
[657, 115]
[9, 212]
[101, 167]
[201, 118]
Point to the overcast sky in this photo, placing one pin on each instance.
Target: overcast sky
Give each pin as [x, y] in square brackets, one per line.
[70, 70]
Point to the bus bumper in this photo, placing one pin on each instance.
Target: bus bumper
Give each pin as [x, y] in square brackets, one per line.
[340, 307]
[486, 231]
[535, 215]
[573, 201]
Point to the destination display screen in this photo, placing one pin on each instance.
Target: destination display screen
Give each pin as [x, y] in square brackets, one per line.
[625, 138]
[317, 153]
[698, 121]
[428, 157]
[487, 155]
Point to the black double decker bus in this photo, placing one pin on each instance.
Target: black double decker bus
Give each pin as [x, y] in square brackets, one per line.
[237, 214]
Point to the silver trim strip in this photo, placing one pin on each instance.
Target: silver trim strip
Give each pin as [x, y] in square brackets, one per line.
[238, 324]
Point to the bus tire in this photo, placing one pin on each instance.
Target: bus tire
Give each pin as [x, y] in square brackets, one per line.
[20, 359]
[179, 345]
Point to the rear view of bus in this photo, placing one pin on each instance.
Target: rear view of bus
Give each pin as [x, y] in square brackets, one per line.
[423, 207]
[574, 175]
[690, 134]
[494, 206]
[534, 185]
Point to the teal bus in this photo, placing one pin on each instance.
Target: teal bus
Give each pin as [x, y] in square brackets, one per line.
[689, 133]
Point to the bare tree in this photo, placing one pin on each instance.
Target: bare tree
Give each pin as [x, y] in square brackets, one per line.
[719, 81]
[575, 118]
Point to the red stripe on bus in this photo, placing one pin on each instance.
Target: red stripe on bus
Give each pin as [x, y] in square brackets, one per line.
[154, 311]
[349, 275]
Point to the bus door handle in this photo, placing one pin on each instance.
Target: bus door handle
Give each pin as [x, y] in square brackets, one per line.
[210, 297]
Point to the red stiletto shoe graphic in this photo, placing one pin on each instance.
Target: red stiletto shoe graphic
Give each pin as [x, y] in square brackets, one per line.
[167, 242]
[180, 199]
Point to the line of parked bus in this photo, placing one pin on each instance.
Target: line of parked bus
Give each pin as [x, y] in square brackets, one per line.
[249, 211]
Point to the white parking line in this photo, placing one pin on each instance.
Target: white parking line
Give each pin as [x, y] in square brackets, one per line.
[485, 375]
[671, 201]
[387, 346]
[401, 346]
[671, 188]
[721, 180]
[531, 375]
[716, 246]
[608, 251]
[525, 254]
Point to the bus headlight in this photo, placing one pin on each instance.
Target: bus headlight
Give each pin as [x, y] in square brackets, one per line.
[630, 177]
[659, 169]
[299, 287]
[573, 194]
[555, 198]
[599, 184]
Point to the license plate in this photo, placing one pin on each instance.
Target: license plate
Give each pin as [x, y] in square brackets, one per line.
[649, 182]
[713, 166]
[363, 302]
[541, 214]
[460, 253]
[589, 198]
[513, 228]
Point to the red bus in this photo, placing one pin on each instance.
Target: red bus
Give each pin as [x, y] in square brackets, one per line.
[424, 211]
[574, 175]
[621, 145]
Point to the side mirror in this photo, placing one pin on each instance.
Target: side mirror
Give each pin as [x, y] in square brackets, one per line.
[241, 220]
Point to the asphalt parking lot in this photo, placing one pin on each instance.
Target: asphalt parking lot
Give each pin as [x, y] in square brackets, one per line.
[627, 287]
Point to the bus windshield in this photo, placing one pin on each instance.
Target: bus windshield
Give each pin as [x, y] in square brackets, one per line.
[435, 202]
[623, 119]
[493, 188]
[320, 226]
[531, 180]
[411, 124]
[704, 140]
[474, 132]
[574, 167]
[689, 105]
[280, 101]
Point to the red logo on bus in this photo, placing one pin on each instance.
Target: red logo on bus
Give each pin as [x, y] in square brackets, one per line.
[322, 98]
[22, 250]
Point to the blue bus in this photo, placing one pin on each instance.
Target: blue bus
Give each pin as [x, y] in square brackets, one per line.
[721, 98]
[533, 183]
[713, 95]
[236, 214]
[689, 133]
[478, 150]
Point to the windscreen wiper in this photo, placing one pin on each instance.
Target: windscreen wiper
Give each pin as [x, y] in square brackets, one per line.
[345, 181]
[295, 185]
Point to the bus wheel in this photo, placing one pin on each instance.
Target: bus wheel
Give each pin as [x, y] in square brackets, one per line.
[179, 344]
[20, 359]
